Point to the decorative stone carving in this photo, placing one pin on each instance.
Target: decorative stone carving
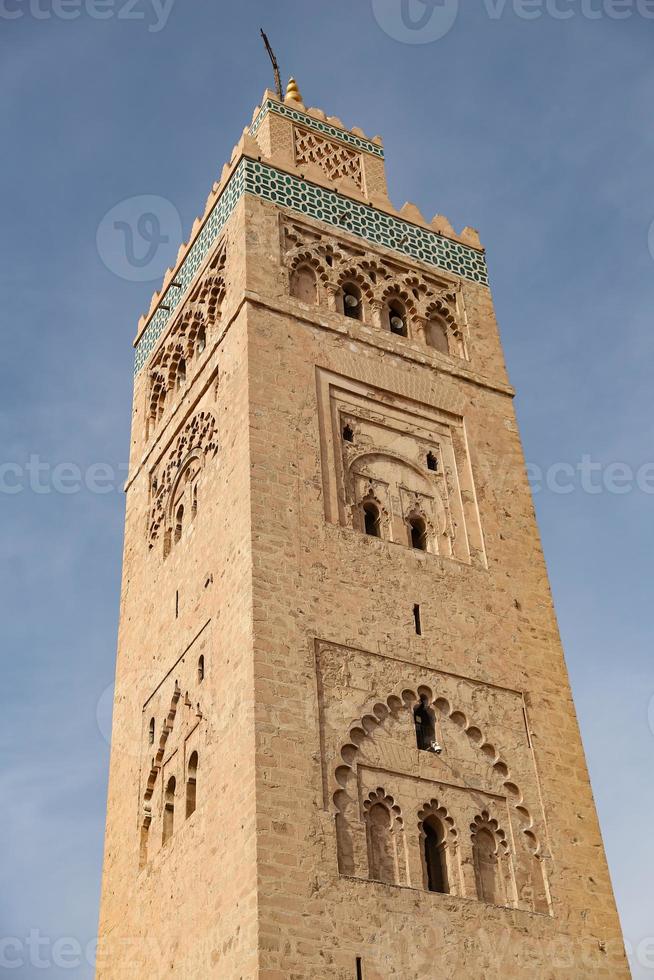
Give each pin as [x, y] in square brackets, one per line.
[434, 311]
[334, 159]
[197, 441]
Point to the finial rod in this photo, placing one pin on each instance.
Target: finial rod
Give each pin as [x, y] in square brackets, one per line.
[273, 59]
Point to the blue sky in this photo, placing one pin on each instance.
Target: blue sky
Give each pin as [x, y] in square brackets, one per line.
[536, 131]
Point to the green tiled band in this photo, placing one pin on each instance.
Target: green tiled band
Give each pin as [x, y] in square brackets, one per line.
[333, 132]
[323, 205]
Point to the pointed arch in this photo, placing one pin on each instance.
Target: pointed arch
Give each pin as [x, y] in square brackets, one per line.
[168, 824]
[492, 861]
[304, 284]
[439, 849]
[385, 837]
[191, 784]
[531, 889]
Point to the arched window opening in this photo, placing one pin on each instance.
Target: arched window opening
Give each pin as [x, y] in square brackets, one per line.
[434, 855]
[169, 811]
[181, 373]
[202, 340]
[436, 335]
[304, 286]
[424, 720]
[191, 784]
[194, 500]
[397, 318]
[418, 529]
[179, 522]
[143, 847]
[201, 669]
[157, 400]
[380, 842]
[432, 462]
[487, 867]
[151, 732]
[348, 434]
[352, 305]
[372, 519]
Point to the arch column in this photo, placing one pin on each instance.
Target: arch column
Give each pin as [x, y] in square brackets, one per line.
[332, 291]
[419, 325]
[376, 311]
[468, 875]
[415, 866]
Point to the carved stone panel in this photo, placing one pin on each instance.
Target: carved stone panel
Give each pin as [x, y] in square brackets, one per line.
[407, 460]
[481, 791]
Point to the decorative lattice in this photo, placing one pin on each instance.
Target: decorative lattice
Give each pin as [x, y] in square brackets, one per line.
[360, 143]
[323, 205]
[334, 159]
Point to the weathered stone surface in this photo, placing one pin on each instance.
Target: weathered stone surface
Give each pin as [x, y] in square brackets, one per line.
[264, 423]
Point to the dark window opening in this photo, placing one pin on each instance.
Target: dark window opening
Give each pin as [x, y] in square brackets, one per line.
[151, 732]
[201, 669]
[432, 463]
[348, 433]
[435, 856]
[177, 604]
[191, 784]
[202, 340]
[425, 722]
[169, 811]
[179, 523]
[372, 520]
[417, 619]
[397, 319]
[352, 302]
[418, 533]
[181, 373]
[359, 968]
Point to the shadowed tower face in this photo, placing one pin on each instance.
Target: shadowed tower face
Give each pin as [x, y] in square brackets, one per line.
[344, 742]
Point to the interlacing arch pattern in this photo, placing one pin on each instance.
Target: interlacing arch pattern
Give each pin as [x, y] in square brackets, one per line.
[179, 356]
[380, 796]
[196, 442]
[484, 821]
[404, 701]
[385, 838]
[423, 303]
[156, 765]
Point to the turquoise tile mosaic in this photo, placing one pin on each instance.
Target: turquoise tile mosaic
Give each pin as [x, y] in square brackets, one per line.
[365, 222]
[186, 272]
[333, 209]
[320, 127]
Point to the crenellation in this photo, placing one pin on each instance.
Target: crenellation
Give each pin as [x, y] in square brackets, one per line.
[323, 439]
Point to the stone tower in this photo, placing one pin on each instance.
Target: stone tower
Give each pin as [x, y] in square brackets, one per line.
[344, 741]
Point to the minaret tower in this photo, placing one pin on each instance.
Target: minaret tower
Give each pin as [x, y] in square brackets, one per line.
[344, 742]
